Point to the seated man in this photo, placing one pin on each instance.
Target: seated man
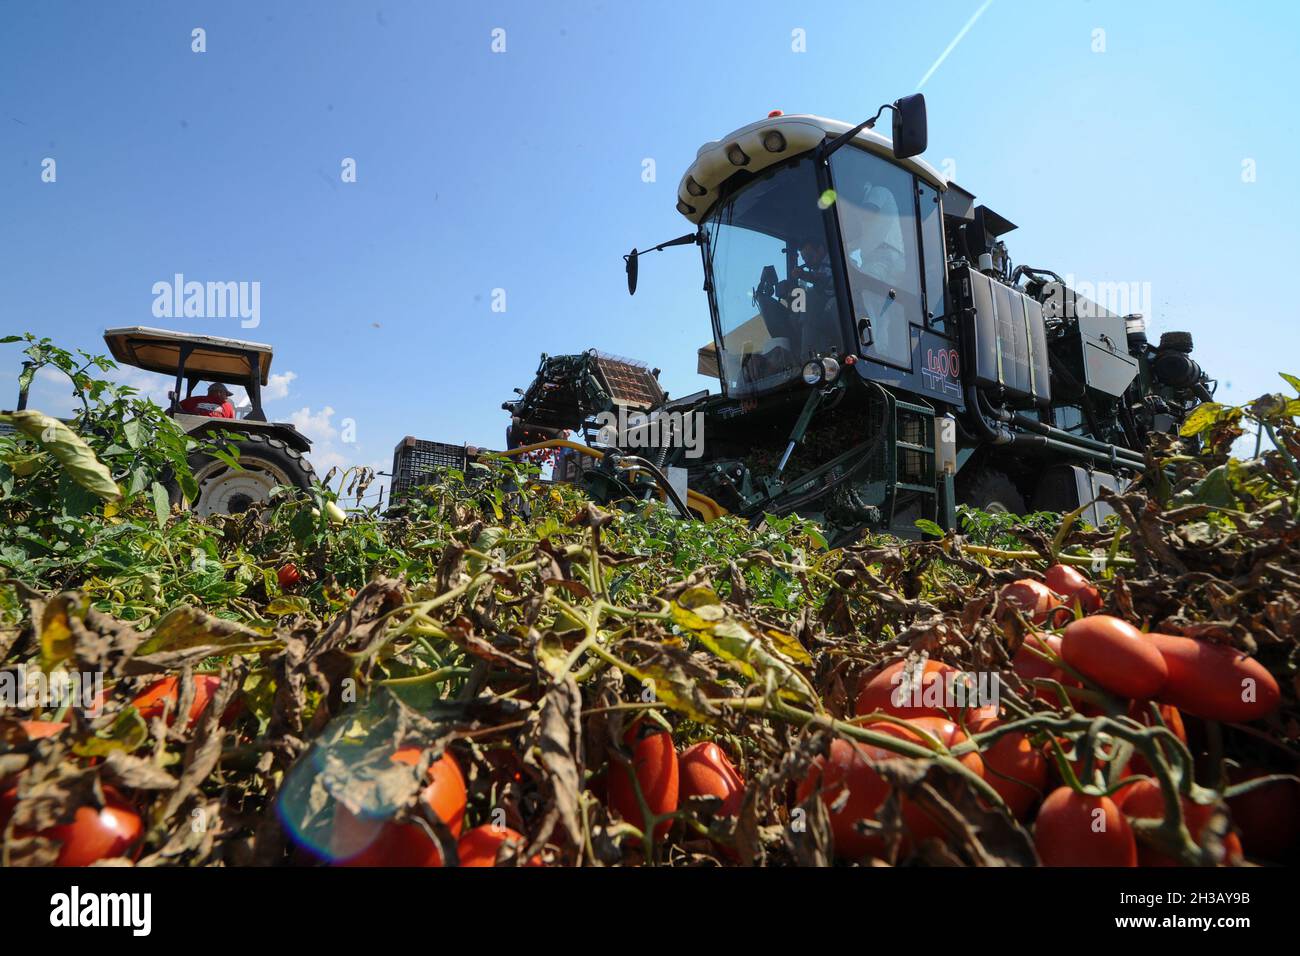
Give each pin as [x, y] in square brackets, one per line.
[216, 404]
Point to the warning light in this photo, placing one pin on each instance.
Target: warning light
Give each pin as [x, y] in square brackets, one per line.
[774, 113]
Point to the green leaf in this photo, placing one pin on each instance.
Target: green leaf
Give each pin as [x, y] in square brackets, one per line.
[929, 527]
[1291, 380]
[161, 506]
[131, 432]
[76, 457]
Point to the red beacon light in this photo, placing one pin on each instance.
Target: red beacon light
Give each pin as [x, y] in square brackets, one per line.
[774, 114]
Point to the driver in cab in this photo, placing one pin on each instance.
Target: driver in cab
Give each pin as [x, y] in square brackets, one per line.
[809, 294]
[215, 404]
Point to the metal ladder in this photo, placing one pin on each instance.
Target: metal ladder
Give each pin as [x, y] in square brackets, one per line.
[910, 464]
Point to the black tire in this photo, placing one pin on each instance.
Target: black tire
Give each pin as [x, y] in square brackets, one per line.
[266, 462]
[991, 490]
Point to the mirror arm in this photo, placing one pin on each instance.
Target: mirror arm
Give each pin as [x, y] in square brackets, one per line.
[843, 138]
[689, 238]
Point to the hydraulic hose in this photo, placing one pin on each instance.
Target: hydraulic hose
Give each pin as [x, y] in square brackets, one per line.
[1044, 437]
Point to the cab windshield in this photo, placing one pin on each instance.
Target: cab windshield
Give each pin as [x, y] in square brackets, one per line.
[773, 290]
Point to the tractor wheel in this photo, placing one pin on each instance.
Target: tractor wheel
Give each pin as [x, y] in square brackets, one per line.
[266, 462]
[991, 490]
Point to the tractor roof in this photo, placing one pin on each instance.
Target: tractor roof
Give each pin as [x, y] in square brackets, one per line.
[802, 132]
[214, 359]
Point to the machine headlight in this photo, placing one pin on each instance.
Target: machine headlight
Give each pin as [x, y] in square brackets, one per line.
[813, 372]
[773, 141]
[737, 155]
[694, 188]
[831, 368]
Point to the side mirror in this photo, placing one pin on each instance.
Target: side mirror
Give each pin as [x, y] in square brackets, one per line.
[909, 126]
[631, 260]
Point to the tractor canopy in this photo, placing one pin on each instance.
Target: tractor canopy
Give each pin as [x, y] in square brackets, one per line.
[207, 357]
[812, 253]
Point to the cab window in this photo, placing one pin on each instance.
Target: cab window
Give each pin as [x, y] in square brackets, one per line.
[773, 288]
[934, 255]
[876, 208]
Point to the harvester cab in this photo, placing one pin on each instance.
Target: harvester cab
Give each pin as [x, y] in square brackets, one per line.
[879, 356]
[269, 453]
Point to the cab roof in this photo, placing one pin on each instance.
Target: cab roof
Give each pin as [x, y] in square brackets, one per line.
[214, 359]
[801, 132]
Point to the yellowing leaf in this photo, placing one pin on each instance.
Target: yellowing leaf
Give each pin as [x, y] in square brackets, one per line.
[128, 733]
[1201, 418]
[732, 641]
[57, 642]
[788, 646]
[76, 457]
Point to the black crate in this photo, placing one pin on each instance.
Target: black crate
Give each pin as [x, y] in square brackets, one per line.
[414, 460]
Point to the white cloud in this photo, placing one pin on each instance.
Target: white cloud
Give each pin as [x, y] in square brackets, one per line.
[317, 426]
[277, 386]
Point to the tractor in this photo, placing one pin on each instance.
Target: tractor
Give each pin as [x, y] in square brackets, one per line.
[879, 357]
[269, 453]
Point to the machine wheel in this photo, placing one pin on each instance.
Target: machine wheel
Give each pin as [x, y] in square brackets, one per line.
[992, 490]
[266, 462]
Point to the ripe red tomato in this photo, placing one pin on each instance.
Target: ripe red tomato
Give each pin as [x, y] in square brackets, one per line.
[1033, 599]
[850, 766]
[1029, 666]
[166, 691]
[1015, 768]
[1073, 585]
[1215, 681]
[1143, 801]
[922, 692]
[1114, 654]
[365, 841]
[1074, 829]
[288, 576]
[1268, 818]
[706, 771]
[655, 761]
[479, 846]
[93, 834]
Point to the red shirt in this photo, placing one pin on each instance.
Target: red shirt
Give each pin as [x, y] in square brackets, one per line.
[207, 405]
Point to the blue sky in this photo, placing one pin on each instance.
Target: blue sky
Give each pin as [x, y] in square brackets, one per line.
[1120, 155]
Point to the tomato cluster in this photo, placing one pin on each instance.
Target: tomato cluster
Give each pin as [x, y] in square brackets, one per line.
[1073, 821]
